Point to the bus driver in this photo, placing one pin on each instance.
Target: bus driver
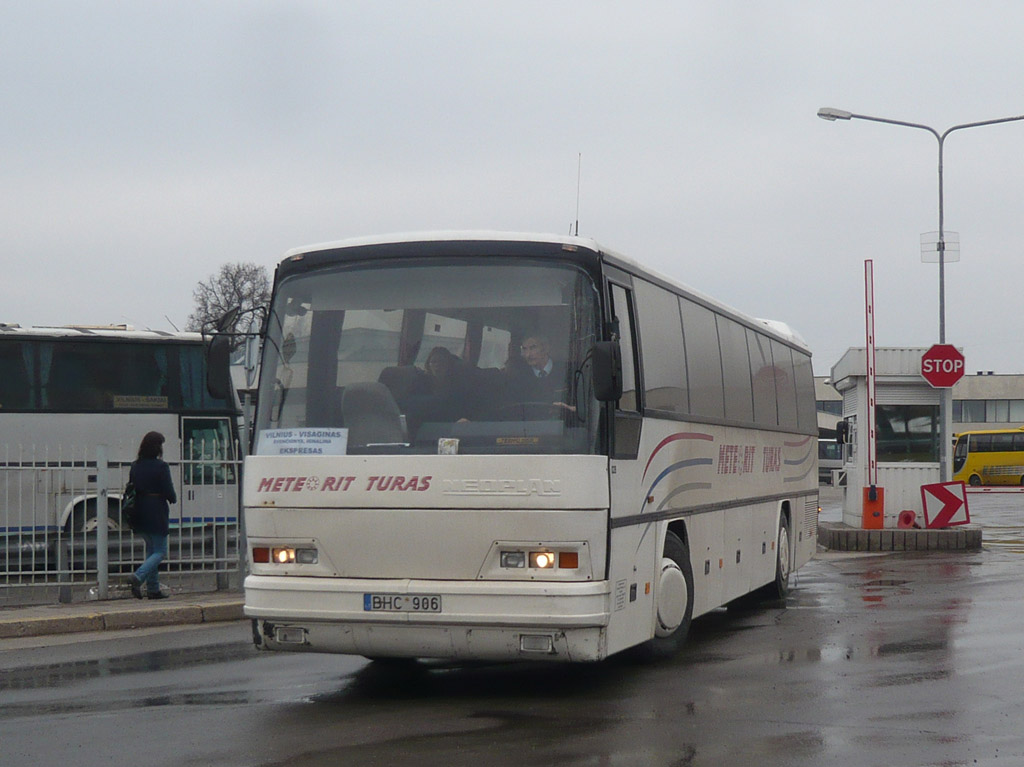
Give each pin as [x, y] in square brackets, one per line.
[543, 378]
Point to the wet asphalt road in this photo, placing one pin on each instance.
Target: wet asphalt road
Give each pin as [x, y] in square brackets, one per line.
[911, 659]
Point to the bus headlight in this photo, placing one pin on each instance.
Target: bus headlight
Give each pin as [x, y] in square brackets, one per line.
[542, 560]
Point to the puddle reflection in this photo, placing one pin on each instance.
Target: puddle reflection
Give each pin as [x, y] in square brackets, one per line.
[58, 674]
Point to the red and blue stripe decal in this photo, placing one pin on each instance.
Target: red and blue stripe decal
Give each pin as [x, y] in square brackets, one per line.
[675, 467]
[802, 461]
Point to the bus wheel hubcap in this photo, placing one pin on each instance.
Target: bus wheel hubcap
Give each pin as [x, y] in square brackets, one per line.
[672, 598]
[784, 553]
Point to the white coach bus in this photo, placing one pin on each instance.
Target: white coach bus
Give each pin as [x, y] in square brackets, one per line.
[396, 511]
[66, 390]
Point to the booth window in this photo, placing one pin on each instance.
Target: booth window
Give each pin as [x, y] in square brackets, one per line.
[907, 433]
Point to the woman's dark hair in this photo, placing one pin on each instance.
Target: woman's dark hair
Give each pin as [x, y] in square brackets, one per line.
[152, 445]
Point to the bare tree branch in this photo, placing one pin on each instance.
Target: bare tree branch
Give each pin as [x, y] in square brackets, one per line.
[242, 285]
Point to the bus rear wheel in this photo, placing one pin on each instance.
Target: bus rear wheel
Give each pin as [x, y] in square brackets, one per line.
[779, 588]
[674, 599]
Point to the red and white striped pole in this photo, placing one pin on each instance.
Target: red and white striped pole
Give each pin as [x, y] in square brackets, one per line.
[869, 334]
[873, 496]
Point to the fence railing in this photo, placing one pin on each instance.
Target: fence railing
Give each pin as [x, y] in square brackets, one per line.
[62, 529]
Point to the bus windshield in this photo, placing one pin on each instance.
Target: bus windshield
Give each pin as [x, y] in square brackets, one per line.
[474, 356]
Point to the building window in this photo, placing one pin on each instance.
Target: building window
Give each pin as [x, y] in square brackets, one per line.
[974, 411]
[1017, 410]
[988, 411]
[997, 411]
[830, 406]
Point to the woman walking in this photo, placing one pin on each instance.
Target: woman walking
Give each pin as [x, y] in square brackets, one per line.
[153, 491]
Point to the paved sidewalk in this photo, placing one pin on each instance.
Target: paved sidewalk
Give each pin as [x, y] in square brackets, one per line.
[120, 614]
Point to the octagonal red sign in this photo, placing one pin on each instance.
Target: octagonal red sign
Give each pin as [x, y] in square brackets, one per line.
[942, 366]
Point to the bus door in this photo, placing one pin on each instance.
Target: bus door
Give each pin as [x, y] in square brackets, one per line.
[627, 421]
[209, 488]
[631, 545]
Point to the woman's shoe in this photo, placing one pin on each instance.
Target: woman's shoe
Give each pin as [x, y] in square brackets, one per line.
[136, 585]
[156, 595]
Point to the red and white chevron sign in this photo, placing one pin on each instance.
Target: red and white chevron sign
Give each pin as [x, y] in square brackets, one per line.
[945, 505]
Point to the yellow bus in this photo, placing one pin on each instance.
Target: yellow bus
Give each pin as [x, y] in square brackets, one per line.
[993, 457]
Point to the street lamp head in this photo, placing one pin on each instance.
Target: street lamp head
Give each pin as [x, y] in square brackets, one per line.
[830, 114]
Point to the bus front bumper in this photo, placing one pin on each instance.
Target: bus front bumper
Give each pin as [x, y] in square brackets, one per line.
[483, 620]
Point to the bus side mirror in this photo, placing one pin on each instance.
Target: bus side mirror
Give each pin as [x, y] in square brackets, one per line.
[606, 360]
[218, 367]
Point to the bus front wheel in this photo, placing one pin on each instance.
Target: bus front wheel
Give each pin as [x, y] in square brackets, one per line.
[674, 598]
[84, 519]
[975, 480]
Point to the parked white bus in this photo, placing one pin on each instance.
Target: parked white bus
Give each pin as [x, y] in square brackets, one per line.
[671, 468]
[65, 391]
[830, 458]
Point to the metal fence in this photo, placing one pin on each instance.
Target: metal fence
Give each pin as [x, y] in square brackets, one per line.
[63, 537]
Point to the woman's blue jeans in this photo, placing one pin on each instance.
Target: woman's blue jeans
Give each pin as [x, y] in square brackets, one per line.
[156, 550]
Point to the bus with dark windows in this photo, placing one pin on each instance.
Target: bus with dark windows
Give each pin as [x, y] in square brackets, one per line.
[65, 391]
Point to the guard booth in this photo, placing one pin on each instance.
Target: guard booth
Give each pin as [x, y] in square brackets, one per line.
[907, 430]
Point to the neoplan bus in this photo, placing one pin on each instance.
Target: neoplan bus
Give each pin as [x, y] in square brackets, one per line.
[675, 470]
[992, 457]
[63, 391]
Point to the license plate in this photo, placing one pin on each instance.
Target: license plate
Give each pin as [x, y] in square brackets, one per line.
[402, 603]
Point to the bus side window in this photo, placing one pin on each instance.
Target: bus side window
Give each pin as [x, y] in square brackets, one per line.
[15, 385]
[981, 443]
[1002, 443]
[626, 437]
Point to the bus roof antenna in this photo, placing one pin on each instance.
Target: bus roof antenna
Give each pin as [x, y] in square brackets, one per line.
[579, 165]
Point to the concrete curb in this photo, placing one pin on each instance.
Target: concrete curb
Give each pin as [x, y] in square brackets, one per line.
[840, 537]
[11, 628]
[188, 614]
[229, 611]
[117, 615]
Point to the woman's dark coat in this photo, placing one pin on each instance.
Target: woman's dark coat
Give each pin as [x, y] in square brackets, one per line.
[153, 491]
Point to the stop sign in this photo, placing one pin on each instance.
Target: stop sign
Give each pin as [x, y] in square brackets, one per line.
[942, 366]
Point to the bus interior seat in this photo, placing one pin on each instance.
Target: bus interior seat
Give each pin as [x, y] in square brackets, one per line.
[404, 381]
[371, 414]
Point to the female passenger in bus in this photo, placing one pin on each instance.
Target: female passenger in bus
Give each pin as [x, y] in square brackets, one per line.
[153, 491]
[451, 397]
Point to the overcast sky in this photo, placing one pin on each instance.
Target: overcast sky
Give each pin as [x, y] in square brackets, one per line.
[146, 144]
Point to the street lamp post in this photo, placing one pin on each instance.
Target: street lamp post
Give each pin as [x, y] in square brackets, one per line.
[946, 395]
